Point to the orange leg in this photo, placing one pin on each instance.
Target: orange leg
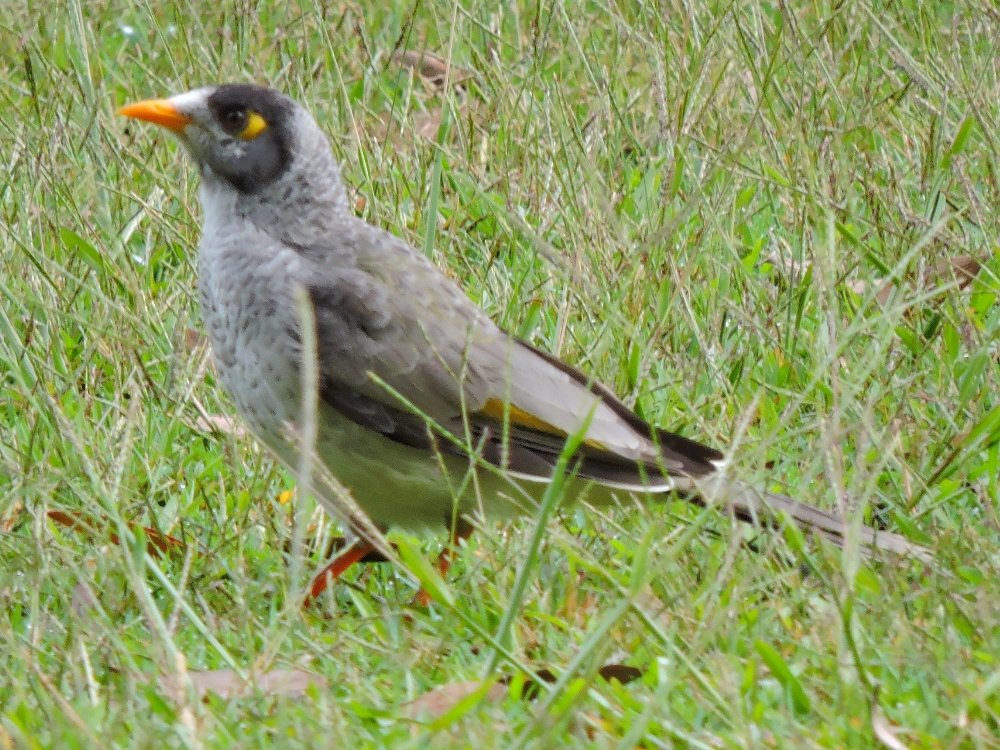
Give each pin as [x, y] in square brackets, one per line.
[448, 553]
[462, 530]
[355, 553]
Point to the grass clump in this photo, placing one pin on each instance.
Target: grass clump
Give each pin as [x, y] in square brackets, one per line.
[755, 221]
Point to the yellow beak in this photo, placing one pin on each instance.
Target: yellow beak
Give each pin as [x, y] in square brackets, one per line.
[158, 111]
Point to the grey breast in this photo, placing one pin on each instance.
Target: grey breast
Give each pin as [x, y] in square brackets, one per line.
[245, 284]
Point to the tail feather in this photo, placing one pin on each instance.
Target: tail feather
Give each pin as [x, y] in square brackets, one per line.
[766, 508]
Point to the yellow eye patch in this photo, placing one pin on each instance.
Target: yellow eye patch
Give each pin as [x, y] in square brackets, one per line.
[255, 126]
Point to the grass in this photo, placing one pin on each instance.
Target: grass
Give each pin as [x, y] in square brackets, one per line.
[736, 214]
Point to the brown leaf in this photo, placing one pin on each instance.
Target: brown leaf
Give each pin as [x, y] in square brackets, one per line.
[11, 516]
[74, 521]
[194, 340]
[423, 124]
[426, 124]
[963, 267]
[884, 292]
[442, 699]
[530, 690]
[546, 675]
[226, 684]
[620, 672]
[860, 286]
[430, 66]
[218, 423]
[156, 543]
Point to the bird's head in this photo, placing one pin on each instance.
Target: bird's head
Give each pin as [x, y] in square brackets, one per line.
[256, 149]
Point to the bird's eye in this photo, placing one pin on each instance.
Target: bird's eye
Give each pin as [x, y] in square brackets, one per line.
[243, 123]
[234, 120]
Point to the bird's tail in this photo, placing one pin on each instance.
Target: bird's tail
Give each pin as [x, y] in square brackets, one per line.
[768, 509]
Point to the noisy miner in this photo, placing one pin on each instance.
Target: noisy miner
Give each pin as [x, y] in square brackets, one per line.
[428, 412]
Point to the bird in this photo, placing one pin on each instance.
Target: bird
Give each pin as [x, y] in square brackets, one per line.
[428, 412]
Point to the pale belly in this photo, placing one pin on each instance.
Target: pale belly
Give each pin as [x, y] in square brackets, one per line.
[403, 487]
[396, 485]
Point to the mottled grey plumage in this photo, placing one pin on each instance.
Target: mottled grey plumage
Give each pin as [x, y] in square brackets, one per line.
[277, 218]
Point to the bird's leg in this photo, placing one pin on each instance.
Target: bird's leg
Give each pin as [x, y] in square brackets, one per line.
[460, 530]
[360, 549]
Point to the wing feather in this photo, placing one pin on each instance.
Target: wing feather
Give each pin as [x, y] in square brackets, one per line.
[394, 315]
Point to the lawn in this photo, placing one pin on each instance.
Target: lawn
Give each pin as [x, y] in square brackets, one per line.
[771, 227]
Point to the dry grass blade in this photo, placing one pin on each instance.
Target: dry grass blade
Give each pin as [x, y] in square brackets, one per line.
[884, 732]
